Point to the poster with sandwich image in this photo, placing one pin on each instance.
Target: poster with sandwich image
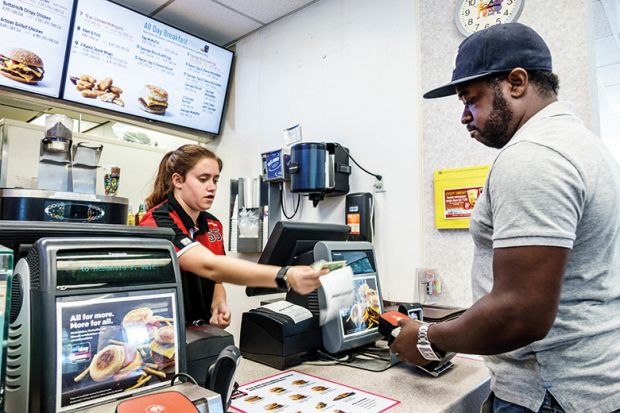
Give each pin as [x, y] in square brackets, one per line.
[114, 345]
[122, 61]
[34, 40]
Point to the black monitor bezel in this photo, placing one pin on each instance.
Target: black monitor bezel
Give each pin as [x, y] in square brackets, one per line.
[19, 236]
[292, 243]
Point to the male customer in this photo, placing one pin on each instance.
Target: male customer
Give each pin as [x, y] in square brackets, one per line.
[546, 271]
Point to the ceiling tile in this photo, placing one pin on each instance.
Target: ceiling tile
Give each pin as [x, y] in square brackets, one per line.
[613, 96]
[208, 20]
[600, 22]
[609, 75]
[612, 9]
[143, 6]
[606, 51]
[265, 11]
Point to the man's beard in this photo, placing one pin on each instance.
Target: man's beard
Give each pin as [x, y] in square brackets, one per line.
[495, 133]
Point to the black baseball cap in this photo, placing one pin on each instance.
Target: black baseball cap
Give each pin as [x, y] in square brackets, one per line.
[500, 48]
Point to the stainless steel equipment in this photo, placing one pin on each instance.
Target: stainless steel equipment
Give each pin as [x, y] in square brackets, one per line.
[84, 166]
[55, 154]
[63, 166]
[59, 206]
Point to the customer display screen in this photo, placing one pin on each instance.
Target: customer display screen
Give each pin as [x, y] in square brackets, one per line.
[112, 344]
[362, 317]
[129, 63]
[34, 40]
[85, 269]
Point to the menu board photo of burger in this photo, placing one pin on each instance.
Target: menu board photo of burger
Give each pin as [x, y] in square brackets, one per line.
[34, 40]
[114, 345]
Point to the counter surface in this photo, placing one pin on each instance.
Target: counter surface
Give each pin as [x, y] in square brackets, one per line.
[463, 389]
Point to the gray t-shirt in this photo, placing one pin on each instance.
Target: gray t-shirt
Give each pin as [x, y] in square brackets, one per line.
[555, 184]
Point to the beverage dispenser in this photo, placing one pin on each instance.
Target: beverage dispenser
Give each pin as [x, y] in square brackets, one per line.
[319, 169]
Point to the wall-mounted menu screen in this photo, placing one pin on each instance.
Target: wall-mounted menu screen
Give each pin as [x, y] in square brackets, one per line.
[34, 40]
[126, 62]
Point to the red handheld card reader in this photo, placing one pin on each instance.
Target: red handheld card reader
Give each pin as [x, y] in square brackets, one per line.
[388, 324]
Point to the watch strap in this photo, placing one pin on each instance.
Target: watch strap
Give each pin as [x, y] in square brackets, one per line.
[282, 279]
[424, 345]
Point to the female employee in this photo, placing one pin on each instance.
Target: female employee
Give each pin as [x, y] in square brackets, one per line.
[184, 189]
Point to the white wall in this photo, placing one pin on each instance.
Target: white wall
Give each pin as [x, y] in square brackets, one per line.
[346, 70]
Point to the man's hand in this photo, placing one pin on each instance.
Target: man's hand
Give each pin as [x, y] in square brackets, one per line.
[405, 345]
[220, 315]
[304, 279]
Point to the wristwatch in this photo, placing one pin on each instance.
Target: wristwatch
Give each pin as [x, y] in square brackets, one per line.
[424, 345]
[282, 279]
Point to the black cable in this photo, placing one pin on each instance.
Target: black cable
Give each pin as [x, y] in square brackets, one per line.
[379, 177]
[187, 376]
[282, 203]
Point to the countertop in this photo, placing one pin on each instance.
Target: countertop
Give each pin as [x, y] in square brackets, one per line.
[460, 390]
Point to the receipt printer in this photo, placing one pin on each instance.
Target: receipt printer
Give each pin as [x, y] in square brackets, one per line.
[204, 344]
[276, 340]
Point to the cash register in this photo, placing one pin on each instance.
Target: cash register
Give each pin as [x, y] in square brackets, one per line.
[275, 339]
[95, 320]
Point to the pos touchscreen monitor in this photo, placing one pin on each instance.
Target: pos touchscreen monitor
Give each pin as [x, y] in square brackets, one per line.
[358, 323]
[292, 243]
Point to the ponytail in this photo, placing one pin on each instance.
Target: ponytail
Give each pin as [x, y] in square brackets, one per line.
[162, 185]
[178, 161]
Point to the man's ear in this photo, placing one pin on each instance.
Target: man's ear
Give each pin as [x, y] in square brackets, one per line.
[519, 81]
[177, 180]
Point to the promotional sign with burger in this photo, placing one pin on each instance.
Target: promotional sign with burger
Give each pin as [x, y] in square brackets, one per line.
[115, 345]
[34, 39]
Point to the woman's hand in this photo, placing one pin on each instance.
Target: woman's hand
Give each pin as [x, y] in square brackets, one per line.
[304, 279]
[220, 315]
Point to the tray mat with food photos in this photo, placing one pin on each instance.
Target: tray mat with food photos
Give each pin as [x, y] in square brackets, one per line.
[292, 391]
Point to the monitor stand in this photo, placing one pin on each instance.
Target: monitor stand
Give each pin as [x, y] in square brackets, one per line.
[436, 371]
[371, 358]
[375, 358]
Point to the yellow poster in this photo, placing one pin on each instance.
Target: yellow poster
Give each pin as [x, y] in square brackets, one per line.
[456, 193]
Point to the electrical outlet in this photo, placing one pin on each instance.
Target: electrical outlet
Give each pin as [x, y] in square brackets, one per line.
[379, 185]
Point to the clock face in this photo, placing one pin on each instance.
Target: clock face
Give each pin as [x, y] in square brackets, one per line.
[474, 15]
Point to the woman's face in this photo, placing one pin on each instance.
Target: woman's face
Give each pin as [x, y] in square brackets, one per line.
[198, 189]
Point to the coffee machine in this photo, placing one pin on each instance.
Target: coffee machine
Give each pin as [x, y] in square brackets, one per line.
[319, 169]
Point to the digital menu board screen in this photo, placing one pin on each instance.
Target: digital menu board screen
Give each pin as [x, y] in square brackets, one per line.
[114, 344]
[123, 61]
[34, 41]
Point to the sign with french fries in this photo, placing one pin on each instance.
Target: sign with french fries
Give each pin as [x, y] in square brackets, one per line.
[114, 345]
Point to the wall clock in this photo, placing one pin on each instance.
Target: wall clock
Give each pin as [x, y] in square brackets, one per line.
[473, 15]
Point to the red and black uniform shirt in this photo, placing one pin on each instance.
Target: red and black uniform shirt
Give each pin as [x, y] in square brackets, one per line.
[197, 291]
